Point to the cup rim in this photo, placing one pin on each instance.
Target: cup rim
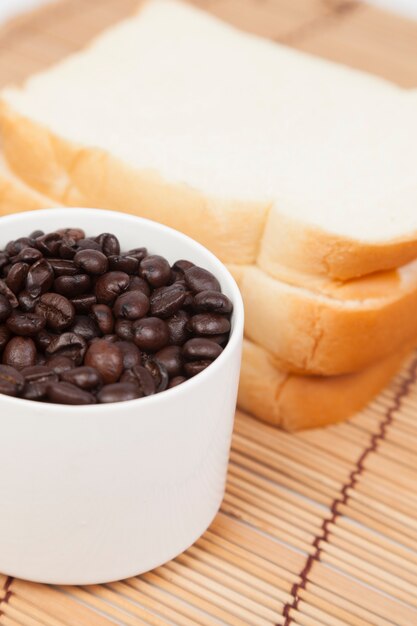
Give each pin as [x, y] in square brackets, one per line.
[221, 272]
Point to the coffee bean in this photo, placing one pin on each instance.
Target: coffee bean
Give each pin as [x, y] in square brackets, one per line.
[35, 234]
[88, 244]
[199, 279]
[109, 244]
[27, 303]
[84, 377]
[60, 364]
[91, 261]
[177, 380]
[131, 354]
[131, 305]
[8, 293]
[83, 304]
[70, 345]
[25, 324]
[4, 336]
[14, 247]
[40, 278]
[85, 327]
[138, 253]
[28, 255]
[137, 283]
[72, 233]
[166, 301]
[120, 263]
[63, 267]
[212, 302]
[177, 328]
[150, 334]
[68, 249]
[57, 310]
[37, 380]
[107, 358]
[220, 339]
[182, 266]
[192, 368]
[4, 260]
[124, 329]
[140, 377]
[171, 358]
[158, 372]
[20, 352]
[49, 244]
[11, 381]
[201, 349]
[65, 393]
[43, 339]
[209, 324]
[156, 270]
[72, 286]
[103, 318]
[110, 286]
[118, 392]
[5, 308]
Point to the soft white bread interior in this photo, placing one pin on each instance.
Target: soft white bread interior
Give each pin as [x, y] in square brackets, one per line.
[246, 145]
[294, 401]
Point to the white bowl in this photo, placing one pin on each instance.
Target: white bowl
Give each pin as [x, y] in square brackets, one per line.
[91, 494]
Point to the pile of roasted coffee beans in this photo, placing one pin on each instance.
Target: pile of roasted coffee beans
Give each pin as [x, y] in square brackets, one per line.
[82, 322]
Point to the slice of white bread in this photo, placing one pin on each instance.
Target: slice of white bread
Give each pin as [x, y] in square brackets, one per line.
[344, 330]
[295, 402]
[15, 196]
[256, 150]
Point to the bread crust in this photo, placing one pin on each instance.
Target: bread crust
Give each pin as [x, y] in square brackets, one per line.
[295, 402]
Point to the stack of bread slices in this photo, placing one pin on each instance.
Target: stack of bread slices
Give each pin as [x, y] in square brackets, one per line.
[298, 173]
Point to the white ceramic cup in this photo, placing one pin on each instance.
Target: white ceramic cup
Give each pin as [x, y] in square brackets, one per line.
[91, 494]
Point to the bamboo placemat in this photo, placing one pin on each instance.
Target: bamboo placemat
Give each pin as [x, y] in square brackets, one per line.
[317, 528]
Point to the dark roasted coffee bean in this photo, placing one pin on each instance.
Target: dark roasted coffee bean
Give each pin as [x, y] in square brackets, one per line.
[199, 279]
[209, 324]
[35, 234]
[137, 283]
[28, 255]
[72, 286]
[198, 349]
[20, 352]
[131, 354]
[166, 301]
[177, 380]
[17, 276]
[150, 334]
[14, 247]
[118, 392]
[60, 364]
[11, 381]
[83, 304]
[68, 249]
[107, 358]
[110, 286]
[5, 308]
[212, 302]
[156, 270]
[124, 329]
[171, 358]
[112, 338]
[40, 278]
[91, 261]
[4, 260]
[85, 326]
[63, 267]
[177, 328]
[87, 378]
[57, 310]
[121, 263]
[103, 318]
[72, 233]
[70, 345]
[49, 244]
[26, 302]
[131, 305]
[25, 324]
[158, 372]
[43, 339]
[138, 253]
[192, 368]
[37, 380]
[140, 376]
[182, 266]
[65, 393]
[8, 293]
[4, 336]
[88, 244]
[220, 339]
[109, 244]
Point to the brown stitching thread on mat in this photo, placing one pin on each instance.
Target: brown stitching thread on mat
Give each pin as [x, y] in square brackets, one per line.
[376, 438]
[6, 588]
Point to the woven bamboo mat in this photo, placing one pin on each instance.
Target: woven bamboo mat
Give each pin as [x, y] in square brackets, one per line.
[317, 528]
